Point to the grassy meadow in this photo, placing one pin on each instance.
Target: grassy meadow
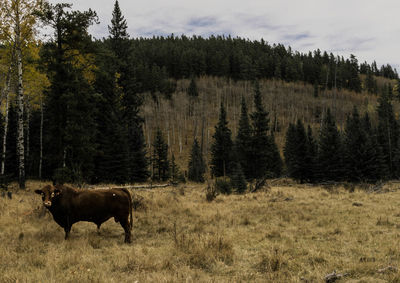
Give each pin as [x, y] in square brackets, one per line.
[288, 233]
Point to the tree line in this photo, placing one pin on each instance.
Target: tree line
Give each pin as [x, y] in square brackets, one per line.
[76, 113]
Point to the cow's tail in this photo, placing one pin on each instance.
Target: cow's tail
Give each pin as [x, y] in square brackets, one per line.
[130, 206]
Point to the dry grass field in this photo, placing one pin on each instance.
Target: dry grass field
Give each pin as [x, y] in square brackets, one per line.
[289, 233]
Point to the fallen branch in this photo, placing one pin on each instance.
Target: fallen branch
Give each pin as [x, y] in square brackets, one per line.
[259, 184]
[143, 186]
[388, 269]
[332, 277]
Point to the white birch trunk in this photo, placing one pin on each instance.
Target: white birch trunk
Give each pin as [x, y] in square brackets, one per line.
[20, 105]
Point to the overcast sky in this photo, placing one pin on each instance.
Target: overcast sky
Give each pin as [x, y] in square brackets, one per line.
[370, 29]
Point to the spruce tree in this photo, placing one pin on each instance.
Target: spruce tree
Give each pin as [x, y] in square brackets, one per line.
[192, 90]
[238, 179]
[243, 141]
[118, 32]
[70, 128]
[260, 141]
[296, 152]
[196, 164]
[330, 151]
[355, 140]
[275, 164]
[131, 101]
[111, 162]
[311, 158]
[175, 172]
[388, 132]
[221, 149]
[374, 166]
[316, 89]
[289, 150]
[160, 158]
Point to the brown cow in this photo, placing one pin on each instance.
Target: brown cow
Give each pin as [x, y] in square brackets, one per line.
[68, 206]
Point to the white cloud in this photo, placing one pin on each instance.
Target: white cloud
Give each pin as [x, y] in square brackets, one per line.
[367, 28]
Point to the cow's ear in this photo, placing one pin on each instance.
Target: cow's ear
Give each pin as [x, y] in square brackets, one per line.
[57, 192]
[39, 192]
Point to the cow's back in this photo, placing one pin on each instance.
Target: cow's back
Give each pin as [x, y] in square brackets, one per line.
[99, 205]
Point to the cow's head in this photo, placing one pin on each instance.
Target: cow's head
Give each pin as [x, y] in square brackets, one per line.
[48, 194]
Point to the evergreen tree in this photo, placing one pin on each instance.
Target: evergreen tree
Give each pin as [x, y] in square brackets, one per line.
[70, 110]
[316, 89]
[111, 162]
[192, 90]
[330, 150]
[131, 100]
[289, 150]
[374, 166]
[221, 149]
[355, 142]
[370, 83]
[311, 157]
[196, 164]
[160, 158]
[243, 141]
[260, 141]
[388, 132]
[296, 152]
[175, 172]
[118, 33]
[275, 165]
[238, 179]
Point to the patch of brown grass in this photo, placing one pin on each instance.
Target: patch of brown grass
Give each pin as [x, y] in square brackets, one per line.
[289, 234]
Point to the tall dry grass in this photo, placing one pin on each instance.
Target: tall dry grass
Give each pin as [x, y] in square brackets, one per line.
[292, 233]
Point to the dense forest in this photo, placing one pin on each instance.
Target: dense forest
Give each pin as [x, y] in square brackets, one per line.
[77, 109]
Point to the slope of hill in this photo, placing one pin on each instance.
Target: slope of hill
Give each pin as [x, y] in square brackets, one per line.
[285, 101]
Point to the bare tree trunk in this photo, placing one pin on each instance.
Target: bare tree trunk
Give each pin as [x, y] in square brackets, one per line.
[3, 157]
[41, 139]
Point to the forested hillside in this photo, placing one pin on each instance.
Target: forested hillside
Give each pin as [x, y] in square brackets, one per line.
[123, 109]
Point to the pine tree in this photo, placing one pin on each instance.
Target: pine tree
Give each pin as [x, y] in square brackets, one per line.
[275, 165]
[243, 141]
[289, 150]
[311, 158]
[388, 132]
[374, 166]
[196, 164]
[260, 141]
[238, 179]
[131, 100]
[296, 152]
[221, 149]
[370, 83]
[69, 126]
[175, 172]
[330, 151]
[355, 140]
[192, 90]
[160, 158]
[316, 89]
[118, 32]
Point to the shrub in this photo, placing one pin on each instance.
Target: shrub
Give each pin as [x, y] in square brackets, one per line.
[223, 185]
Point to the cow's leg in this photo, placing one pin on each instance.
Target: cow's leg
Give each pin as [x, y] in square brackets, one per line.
[67, 229]
[125, 224]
